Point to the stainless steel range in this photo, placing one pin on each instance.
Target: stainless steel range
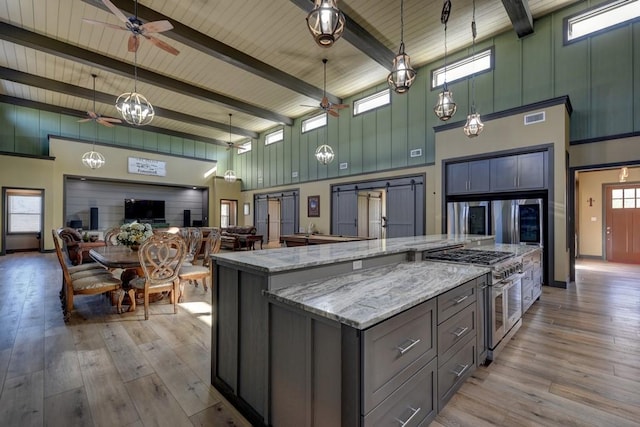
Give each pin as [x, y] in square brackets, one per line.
[503, 316]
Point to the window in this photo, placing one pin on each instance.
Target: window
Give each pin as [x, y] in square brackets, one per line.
[466, 67]
[273, 137]
[228, 213]
[600, 18]
[314, 122]
[244, 148]
[24, 213]
[371, 102]
[627, 198]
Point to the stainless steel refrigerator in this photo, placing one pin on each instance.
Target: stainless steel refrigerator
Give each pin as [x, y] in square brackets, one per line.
[510, 221]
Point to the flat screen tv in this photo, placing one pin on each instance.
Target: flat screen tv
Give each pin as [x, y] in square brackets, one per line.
[136, 209]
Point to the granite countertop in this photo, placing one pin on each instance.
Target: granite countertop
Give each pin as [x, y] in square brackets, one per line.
[283, 259]
[363, 298]
[516, 250]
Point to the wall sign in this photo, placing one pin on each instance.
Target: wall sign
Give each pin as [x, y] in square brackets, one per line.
[147, 166]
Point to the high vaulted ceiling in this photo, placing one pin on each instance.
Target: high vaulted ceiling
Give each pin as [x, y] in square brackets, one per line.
[253, 58]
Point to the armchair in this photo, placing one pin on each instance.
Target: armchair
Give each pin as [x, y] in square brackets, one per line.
[77, 249]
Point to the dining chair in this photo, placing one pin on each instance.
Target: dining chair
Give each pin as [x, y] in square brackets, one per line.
[193, 273]
[161, 257]
[193, 239]
[85, 279]
[110, 236]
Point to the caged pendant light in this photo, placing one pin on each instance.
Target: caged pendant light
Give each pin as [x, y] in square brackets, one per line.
[445, 107]
[402, 74]
[133, 106]
[474, 126]
[230, 174]
[93, 159]
[326, 22]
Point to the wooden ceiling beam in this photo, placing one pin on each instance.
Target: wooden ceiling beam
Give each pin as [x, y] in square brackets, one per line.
[520, 16]
[360, 38]
[54, 47]
[106, 98]
[215, 48]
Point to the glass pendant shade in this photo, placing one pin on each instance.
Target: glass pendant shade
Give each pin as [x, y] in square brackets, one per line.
[93, 159]
[324, 154]
[445, 108]
[230, 176]
[474, 125]
[326, 22]
[402, 75]
[135, 109]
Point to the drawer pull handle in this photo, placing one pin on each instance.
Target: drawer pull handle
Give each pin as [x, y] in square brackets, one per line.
[404, 423]
[461, 371]
[460, 331]
[403, 350]
[459, 300]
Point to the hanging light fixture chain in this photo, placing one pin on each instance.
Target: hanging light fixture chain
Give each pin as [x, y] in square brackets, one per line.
[402, 22]
[473, 56]
[444, 18]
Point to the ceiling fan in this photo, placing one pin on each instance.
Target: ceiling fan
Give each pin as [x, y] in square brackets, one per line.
[137, 28]
[230, 144]
[325, 105]
[93, 116]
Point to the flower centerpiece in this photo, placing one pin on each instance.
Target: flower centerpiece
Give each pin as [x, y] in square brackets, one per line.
[133, 234]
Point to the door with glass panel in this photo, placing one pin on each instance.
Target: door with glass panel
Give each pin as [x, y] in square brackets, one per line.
[23, 213]
[622, 231]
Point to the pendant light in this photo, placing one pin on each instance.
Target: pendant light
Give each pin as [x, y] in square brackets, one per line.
[93, 159]
[474, 125]
[326, 22]
[133, 106]
[230, 174]
[402, 75]
[445, 107]
[324, 154]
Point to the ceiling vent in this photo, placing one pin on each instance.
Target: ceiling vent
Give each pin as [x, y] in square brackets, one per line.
[532, 118]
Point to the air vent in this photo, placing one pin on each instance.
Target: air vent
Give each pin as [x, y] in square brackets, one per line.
[530, 119]
[344, 165]
[415, 153]
[294, 174]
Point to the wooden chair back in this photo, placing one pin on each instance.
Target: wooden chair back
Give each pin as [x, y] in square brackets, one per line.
[213, 244]
[161, 256]
[110, 236]
[193, 239]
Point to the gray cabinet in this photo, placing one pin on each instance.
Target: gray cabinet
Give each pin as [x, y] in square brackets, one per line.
[531, 279]
[468, 177]
[482, 346]
[519, 172]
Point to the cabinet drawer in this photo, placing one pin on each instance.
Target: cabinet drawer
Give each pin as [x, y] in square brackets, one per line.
[454, 330]
[453, 373]
[395, 349]
[451, 302]
[414, 403]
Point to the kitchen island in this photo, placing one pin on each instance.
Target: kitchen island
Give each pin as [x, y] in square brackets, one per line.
[241, 343]
[292, 240]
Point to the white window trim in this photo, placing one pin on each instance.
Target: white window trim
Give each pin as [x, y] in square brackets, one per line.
[372, 102]
[594, 20]
[315, 122]
[464, 68]
[273, 137]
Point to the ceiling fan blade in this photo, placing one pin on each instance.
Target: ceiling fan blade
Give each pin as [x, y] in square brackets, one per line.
[162, 45]
[106, 24]
[84, 120]
[104, 122]
[115, 10]
[339, 106]
[92, 114]
[133, 43]
[156, 26]
[111, 119]
[312, 106]
[333, 113]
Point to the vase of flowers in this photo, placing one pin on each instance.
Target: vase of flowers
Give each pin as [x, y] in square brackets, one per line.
[134, 234]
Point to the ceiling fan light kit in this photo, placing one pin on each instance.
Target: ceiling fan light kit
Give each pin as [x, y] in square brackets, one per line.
[402, 74]
[446, 107]
[326, 22]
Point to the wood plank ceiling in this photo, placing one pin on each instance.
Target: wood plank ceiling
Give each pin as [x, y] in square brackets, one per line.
[253, 58]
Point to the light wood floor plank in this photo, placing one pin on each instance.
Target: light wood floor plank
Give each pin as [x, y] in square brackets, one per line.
[62, 370]
[28, 352]
[21, 403]
[155, 404]
[126, 355]
[219, 415]
[68, 409]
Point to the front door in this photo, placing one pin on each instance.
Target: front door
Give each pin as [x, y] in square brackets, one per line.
[623, 224]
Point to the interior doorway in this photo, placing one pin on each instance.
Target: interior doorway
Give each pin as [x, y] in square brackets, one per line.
[228, 213]
[274, 221]
[23, 213]
[371, 213]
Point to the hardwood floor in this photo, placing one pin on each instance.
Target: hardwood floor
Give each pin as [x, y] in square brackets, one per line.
[575, 361]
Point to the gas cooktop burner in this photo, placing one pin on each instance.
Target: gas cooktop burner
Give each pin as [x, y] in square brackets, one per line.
[470, 256]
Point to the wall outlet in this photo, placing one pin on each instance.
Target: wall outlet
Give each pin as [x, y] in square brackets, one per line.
[357, 265]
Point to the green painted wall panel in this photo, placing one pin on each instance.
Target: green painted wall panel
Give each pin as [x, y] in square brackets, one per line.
[295, 156]
[399, 131]
[286, 156]
[69, 127]
[151, 141]
[344, 137]
[26, 131]
[419, 119]
[49, 125]
[537, 64]
[333, 168]
[7, 127]
[610, 54]
[369, 153]
[383, 131]
[636, 76]
[176, 145]
[188, 147]
[507, 75]
[354, 159]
